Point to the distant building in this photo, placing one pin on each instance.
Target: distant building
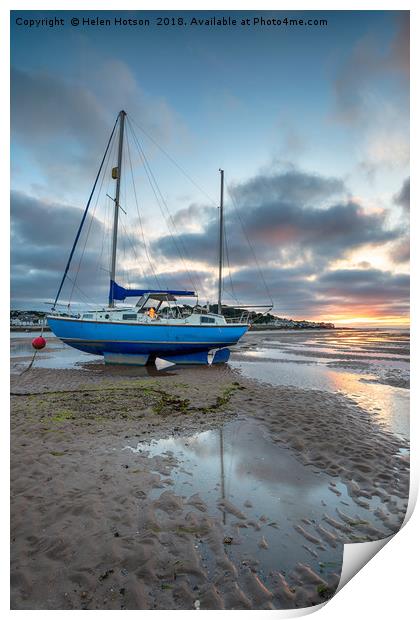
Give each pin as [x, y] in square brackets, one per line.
[284, 323]
[26, 318]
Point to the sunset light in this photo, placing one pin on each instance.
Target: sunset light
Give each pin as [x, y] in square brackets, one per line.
[316, 196]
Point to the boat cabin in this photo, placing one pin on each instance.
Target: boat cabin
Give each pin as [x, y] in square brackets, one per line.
[156, 307]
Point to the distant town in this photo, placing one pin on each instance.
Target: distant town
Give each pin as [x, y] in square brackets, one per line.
[25, 319]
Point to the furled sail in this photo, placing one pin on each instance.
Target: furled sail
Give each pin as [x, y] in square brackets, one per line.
[119, 293]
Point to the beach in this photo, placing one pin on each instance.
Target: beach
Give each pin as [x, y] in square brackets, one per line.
[221, 487]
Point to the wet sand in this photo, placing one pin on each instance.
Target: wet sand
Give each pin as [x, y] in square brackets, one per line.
[191, 488]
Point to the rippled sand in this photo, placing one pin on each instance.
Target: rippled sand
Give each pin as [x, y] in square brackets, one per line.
[202, 488]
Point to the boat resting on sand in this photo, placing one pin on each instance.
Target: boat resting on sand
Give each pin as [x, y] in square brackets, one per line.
[157, 326]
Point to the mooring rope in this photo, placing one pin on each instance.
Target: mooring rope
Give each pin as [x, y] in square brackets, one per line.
[34, 355]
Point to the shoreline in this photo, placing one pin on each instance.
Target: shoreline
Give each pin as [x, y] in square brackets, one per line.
[106, 528]
[29, 328]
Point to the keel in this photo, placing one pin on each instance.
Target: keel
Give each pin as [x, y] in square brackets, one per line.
[126, 359]
[202, 358]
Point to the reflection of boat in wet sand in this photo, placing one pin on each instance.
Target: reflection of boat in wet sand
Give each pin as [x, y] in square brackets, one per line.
[157, 326]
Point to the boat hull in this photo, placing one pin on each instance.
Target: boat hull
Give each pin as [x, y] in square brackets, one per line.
[146, 341]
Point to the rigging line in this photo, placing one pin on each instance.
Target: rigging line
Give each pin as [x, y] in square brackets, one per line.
[99, 261]
[122, 270]
[145, 276]
[104, 262]
[129, 238]
[88, 300]
[84, 216]
[138, 213]
[143, 236]
[149, 170]
[156, 189]
[104, 227]
[125, 273]
[112, 214]
[228, 262]
[154, 185]
[235, 299]
[175, 163]
[104, 259]
[90, 224]
[250, 245]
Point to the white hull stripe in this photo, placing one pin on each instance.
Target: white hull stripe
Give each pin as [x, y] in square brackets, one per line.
[157, 324]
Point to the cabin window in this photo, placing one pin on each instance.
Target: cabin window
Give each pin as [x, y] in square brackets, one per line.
[129, 317]
[88, 316]
[207, 319]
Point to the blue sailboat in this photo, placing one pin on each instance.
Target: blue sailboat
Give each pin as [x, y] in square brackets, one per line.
[157, 326]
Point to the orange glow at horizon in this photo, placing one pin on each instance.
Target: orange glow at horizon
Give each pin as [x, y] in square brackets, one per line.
[361, 320]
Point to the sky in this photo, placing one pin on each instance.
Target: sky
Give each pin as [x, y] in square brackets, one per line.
[310, 124]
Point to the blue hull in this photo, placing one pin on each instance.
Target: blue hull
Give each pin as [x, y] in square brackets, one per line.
[102, 338]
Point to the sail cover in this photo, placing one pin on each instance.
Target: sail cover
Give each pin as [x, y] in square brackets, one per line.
[119, 293]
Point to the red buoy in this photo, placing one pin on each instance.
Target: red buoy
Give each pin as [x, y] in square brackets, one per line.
[39, 342]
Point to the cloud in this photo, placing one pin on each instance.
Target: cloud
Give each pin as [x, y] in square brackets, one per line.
[42, 234]
[387, 145]
[369, 62]
[380, 292]
[308, 237]
[400, 251]
[298, 224]
[278, 214]
[62, 125]
[193, 216]
[402, 198]
[46, 224]
[399, 53]
[341, 291]
[371, 98]
[201, 281]
[293, 293]
[44, 105]
[291, 186]
[367, 284]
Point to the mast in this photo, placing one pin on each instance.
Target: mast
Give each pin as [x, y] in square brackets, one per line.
[222, 472]
[122, 116]
[219, 299]
[84, 216]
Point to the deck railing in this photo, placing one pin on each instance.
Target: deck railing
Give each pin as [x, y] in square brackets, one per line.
[244, 319]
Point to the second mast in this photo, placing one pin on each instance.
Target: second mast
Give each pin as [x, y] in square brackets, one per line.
[117, 203]
[219, 298]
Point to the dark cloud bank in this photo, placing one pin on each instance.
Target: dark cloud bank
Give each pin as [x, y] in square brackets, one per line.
[298, 224]
[281, 218]
[402, 198]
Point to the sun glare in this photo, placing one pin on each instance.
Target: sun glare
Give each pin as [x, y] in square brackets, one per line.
[391, 321]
